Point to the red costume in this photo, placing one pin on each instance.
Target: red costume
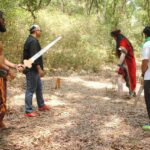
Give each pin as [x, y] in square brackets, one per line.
[130, 62]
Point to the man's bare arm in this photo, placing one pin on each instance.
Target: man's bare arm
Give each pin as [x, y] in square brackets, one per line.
[10, 64]
[144, 66]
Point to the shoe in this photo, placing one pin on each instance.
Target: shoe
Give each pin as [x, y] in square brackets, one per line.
[44, 108]
[32, 114]
[132, 94]
[146, 127]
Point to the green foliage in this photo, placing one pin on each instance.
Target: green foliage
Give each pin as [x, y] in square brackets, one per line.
[80, 46]
[33, 6]
[84, 24]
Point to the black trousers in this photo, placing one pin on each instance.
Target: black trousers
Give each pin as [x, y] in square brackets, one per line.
[147, 95]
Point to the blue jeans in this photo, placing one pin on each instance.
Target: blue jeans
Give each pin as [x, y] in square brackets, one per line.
[34, 85]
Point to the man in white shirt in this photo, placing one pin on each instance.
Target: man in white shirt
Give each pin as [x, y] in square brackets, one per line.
[145, 69]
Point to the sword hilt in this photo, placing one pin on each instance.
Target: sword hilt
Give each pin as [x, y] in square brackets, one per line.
[28, 63]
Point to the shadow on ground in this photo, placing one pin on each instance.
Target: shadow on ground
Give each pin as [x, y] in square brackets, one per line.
[86, 114]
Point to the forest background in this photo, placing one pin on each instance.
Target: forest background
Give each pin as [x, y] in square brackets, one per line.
[85, 26]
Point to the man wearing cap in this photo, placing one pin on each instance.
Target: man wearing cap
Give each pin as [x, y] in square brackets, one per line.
[145, 71]
[5, 71]
[127, 64]
[34, 74]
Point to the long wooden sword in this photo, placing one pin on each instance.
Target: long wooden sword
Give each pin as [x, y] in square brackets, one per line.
[138, 95]
[141, 88]
[28, 63]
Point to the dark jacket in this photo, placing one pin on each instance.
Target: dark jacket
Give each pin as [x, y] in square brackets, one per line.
[31, 47]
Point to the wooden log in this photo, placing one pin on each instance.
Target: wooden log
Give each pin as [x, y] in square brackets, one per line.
[57, 83]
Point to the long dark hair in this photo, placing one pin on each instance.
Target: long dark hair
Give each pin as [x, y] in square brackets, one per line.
[117, 34]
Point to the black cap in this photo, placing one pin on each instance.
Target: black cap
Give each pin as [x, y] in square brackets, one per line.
[33, 27]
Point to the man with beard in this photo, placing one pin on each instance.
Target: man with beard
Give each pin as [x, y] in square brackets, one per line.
[34, 74]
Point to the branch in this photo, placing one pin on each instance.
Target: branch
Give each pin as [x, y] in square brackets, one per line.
[23, 7]
[48, 2]
[39, 5]
[91, 4]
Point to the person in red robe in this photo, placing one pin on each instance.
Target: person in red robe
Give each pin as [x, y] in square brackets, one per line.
[127, 64]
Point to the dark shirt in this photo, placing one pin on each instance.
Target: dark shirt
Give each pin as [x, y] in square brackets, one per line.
[31, 47]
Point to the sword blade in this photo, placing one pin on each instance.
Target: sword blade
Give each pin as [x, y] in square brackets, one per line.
[138, 95]
[45, 49]
[28, 63]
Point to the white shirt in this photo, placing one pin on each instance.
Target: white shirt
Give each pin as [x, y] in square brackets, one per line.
[146, 55]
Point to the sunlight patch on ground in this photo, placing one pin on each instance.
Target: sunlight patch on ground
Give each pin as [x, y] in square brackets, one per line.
[65, 114]
[106, 98]
[114, 127]
[75, 79]
[18, 100]
[69, 111]
[117, 100]
[56, 102]
[90, 84]
[114, 121]
[74, 95]
[54, 97]
[20, 96]
[40, 134]
[96, 85]
[62, 125]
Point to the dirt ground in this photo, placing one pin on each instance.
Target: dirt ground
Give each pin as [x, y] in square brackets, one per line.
[86, 114]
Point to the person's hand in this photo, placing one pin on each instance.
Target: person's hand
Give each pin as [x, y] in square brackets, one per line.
[11, 74]
[20, 67]
[41, 73]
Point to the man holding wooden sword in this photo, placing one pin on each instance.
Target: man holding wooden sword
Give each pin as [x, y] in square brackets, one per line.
[32, 58]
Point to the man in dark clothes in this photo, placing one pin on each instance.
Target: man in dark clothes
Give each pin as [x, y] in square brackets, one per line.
[34, 74]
